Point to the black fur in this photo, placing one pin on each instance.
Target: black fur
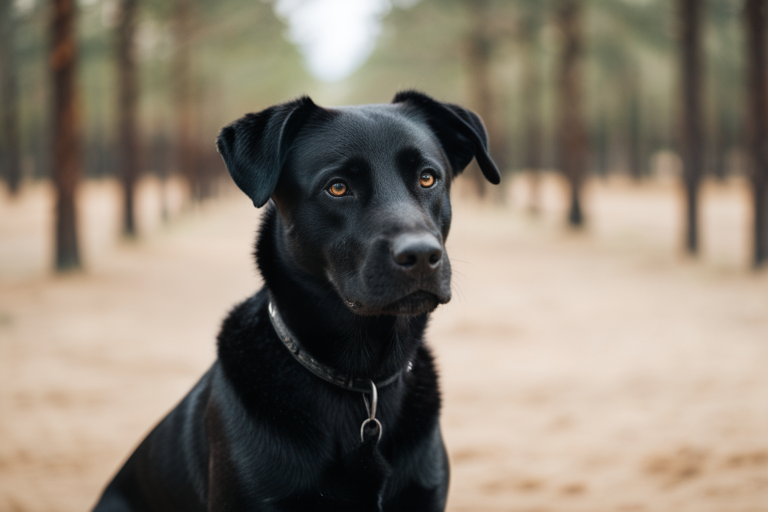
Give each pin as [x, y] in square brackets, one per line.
[354, 278]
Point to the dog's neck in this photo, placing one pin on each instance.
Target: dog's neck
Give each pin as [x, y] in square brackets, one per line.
[359, 346]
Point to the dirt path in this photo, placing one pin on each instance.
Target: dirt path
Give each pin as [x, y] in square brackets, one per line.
[581, 372]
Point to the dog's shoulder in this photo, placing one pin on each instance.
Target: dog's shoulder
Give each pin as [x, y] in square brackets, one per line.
[256, 364]
[263, 373]
[420, 409]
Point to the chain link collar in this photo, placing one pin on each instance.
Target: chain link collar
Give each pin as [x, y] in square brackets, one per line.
[321, 370]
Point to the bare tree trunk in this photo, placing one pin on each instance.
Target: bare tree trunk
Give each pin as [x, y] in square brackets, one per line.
[186, 157]
[756, 19]
[9, 130]
[128, 93]
[572, 130]
[478, 47]
[601, 143]
[66, 126]
[720, 143]
[634, 152]
[691, 137]
[532, 110]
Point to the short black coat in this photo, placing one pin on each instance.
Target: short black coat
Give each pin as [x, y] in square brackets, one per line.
[259, 432]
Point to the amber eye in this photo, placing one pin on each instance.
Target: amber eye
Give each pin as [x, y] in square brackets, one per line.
[426, 179]
[338, 189]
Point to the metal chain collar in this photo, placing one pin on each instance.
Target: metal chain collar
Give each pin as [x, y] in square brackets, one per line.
[328, 374]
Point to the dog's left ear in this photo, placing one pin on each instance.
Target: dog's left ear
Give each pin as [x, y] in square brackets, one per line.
[460, 131]
[255, 146]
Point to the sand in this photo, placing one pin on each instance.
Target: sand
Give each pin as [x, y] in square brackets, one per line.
[592, 371]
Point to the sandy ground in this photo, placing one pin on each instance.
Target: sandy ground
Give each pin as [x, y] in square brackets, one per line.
[593, 371]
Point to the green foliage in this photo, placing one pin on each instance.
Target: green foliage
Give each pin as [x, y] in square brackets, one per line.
[241, 61]
[631, 71]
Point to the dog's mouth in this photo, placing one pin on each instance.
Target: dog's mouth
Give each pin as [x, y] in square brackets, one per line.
[412, 304]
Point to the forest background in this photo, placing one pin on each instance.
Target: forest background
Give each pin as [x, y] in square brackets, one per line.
[634, 87]
[605, 349]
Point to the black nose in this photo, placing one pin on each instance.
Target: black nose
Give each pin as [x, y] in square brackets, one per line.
[417, 253]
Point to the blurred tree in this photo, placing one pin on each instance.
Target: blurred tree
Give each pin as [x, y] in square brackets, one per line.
[691, 137]
[756, 21]
[244, 62]
[479, 41]
[186, 119]
[66, 150]
[572, 133]
[725, 137]
[127, 132]
[531, 102]
[418, 48]
[634, 142]
[601, 144]
[724, 73]
[629, 73]
[9, 126]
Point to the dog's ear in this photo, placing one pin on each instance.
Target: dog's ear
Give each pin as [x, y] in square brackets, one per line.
[460, 131]
[255, 146]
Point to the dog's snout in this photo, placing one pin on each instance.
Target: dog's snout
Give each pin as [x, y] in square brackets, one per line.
[417, 252]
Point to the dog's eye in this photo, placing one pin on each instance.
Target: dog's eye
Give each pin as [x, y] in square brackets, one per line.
[338, 189]
[427, 179]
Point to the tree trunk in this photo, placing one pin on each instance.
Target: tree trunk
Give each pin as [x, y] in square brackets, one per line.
[532, 109]
[478, 46]
[66, 148]
[756, 19]
[128, 87]
[601, 142]
[691, 136]
[572, 130]
[721, 143]
[634, 150]
[186, 157]
[9, 122]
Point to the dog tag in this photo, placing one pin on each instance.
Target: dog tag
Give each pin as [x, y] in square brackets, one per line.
[371, 426]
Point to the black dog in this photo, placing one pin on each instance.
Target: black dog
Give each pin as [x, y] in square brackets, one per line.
[324, 395]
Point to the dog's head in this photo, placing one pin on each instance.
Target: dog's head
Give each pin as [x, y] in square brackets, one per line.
[362, 192]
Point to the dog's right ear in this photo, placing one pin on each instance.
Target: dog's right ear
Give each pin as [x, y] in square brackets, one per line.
[460, 132]
[255, 146]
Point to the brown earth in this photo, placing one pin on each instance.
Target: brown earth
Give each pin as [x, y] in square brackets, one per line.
[590, 371]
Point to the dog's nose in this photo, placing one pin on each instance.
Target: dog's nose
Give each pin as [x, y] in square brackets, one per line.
[417, 253]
